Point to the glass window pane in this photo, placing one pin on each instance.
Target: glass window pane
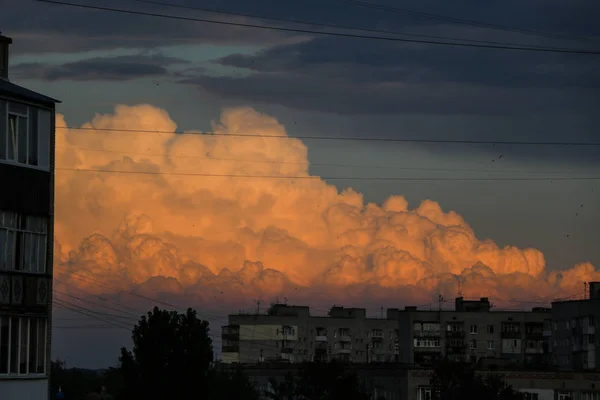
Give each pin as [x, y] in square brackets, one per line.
[32, 345]
[18, 257]
[24, 332]
[4, 350]
[17, 108]
[44, 134]
[26, 255]
[14, 344]
[3, 129]
[41, 344]
[34, 252]
[10, 249]
[3, 235]
[11, 151]
[22, 143]
[42, 253]
[33, 137]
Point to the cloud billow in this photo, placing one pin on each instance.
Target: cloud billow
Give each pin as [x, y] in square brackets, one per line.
[199, 238]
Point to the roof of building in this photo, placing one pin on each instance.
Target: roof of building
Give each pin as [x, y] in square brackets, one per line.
[10, 89]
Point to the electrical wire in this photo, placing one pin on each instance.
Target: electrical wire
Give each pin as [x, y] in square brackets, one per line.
[310, 177]
[276, 162]
[462, 21]
[313, 32]
[342, 138]
[333, 26]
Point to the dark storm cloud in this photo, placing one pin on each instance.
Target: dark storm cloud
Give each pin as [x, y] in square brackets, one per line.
[120, 68]
[337, 75]
[54, 28]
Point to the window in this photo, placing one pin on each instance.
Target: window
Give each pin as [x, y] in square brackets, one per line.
[424, 393]
[565, 396]
[23, 242]
[530, 396]
[427, 343]
[473, 329]
[22, 345]
[491, 345]
[490, 329]
[590, 396]
[473, 344]
[20, 138]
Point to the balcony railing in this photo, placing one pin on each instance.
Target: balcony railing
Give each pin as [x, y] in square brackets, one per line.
[321, 338]
[589, 330]
[344, 338]
[427, 334]
[510, 335]
[456, 334]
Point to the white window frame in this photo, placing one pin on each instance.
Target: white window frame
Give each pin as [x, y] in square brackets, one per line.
[424, 393]
[473, 329]
[42, 145]
[10, 233]
[491, 345]
[565, 396]
[40, 358]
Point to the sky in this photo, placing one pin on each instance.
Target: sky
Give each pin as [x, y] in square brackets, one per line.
[342, 229]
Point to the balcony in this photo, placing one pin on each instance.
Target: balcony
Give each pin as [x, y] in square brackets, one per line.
[511, 335]
[455, 334]
[345, 350]
[589, 330]
[321, 338]
[377, 335]
[426, 334]
[531, 350]
[230, 332]
[230, 349]
[344, 338]
[547, 333]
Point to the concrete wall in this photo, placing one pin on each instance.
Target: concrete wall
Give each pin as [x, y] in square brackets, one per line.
[23, 389]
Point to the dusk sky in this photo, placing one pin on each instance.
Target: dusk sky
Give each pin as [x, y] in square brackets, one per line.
[528, 231]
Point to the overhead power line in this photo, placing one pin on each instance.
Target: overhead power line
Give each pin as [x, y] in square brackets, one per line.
[332, 26]
[348, 138]
[310, 177]
[463, 21]
[311, 164]
[313, 32]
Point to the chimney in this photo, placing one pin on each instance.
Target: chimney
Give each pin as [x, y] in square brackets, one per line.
[5, 43]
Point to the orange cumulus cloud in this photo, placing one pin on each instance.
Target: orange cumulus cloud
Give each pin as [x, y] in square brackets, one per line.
[168, 227]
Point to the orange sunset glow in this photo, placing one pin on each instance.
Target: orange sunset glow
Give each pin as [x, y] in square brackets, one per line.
[168, 228]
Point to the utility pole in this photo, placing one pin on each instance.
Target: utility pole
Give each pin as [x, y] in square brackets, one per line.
[381, 312]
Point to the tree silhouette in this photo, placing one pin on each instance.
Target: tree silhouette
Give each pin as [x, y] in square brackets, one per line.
[171, 356]
[459, 381]
[319, 381]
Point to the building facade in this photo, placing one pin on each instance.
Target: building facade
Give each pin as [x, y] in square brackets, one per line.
[470, 332]
[26, 236]
[574, 323]
[405, 382]
[292, 334]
